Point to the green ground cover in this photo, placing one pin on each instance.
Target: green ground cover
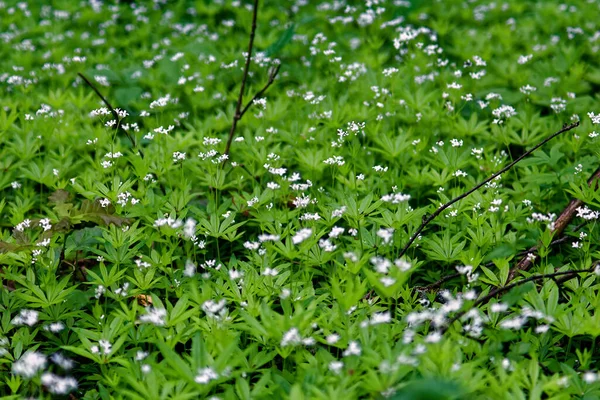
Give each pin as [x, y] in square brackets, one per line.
[141, 259]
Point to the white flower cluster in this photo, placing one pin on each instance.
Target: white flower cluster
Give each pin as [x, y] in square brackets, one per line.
[58, 384]
[594, 117]
[215, 309]
[154, 316]
[29, 364]
[104, 347]
[395, 198]
[467, 270]
[503, 113]
[26, 317]
[302, 235]
[587, 214]
[292, 338]
[205, 375]
[550, 217]
[526, 313]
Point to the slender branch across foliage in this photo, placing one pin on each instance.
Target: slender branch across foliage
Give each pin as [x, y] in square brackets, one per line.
[565, 217]
[485, 299]
[491, 178]
[272, 75]
[114, 112]
[239, 112]
[437, 284]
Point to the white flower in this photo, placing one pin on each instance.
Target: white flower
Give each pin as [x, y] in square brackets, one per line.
[45, 224]
[387, 281]
[353, 349]
[58, 384]
[381, 318]
[55, 327]
[594, 117]
[104, 202]
[62, 361]
[590, 377]
[190, 268]
[301, 235]
[26, 317]
[386, 234]
[395, 198]
[99, 291]
[338, 212]
[524, 59]
[265, 237]
[155, 316]
[270, 272]
[251, 245]
[310, 217]
[205, 375]
[234, 274]
[161, 102]
[336, 231]
[498, 307]
[336, 366]
[333, 338]
[326, 245]
[29, 364]
[189, 229]
[513, 323]
[402, 265]
[433, 337]
[212, 308]
[381, 264]
[104, 347]
[291, 338]
[502, 113]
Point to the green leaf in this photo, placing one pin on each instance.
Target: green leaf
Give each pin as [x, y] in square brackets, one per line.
[428, 389]
[176, 362]
[283, 40]
[127, 95]
[517, 293]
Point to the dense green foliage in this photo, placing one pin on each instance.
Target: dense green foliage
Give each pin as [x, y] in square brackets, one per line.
[137, 262]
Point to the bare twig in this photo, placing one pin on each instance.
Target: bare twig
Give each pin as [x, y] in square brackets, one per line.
[439, 282]
[272, 74]
[491, 178]
[444, 279]
[559, 226]
[485, 299]
[239, 111]
[114, 113]
[238, 107]
[561, 240]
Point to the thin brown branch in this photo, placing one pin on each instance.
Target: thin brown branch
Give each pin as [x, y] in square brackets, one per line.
[535, 248]
[491, 178]
[438, 283]
[485, 299]
[114, 112]
[441, 281]
[272, 74]
[566, 216]
[238, 107]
